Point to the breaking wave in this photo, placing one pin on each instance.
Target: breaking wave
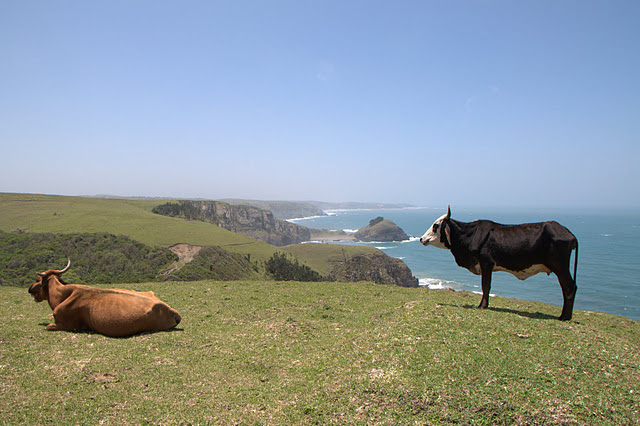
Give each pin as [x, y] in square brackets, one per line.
[437, 283]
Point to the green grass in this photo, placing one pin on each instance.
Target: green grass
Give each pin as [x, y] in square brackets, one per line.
[303, 353]
[322, 257]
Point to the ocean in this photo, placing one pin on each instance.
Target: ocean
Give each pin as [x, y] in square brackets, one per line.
[608, 261]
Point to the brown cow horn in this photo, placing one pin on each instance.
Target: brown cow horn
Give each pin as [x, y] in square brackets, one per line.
[448, 213]
[66, 268]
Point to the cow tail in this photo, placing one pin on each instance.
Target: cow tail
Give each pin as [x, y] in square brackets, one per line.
[575, 265]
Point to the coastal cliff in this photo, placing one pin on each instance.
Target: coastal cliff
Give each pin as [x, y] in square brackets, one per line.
[242, 219]
[281, 209]
[376, 267]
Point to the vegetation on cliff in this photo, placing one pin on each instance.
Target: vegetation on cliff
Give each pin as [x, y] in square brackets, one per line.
[378, 268]
[353, 263]
[218, 264]
[96, 258]
[283, 266]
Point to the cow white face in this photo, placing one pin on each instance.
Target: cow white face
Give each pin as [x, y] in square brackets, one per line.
[432, 236]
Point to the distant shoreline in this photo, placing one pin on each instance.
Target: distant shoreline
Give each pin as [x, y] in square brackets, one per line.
[324, 235]
[328, 212]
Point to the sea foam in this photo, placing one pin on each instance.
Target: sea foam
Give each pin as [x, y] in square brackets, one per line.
[437, 283]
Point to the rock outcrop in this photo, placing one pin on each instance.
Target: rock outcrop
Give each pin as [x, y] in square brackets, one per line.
[377, 267]
[382, 230]
[247, 220]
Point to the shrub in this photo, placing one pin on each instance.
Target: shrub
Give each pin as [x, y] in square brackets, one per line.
[281, 267]
[376, 221]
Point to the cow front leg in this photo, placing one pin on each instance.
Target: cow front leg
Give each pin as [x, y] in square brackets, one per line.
[486, 285]
[65, 320]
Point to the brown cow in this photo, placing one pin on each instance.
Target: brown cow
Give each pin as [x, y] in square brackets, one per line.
[112, 312]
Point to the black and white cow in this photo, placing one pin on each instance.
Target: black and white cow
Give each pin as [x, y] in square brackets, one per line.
[523, 250]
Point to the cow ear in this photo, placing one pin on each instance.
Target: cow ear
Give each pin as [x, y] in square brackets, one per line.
[446, 230]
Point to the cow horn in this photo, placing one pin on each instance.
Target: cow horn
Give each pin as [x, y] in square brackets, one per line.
[66, 268]
[448, 213]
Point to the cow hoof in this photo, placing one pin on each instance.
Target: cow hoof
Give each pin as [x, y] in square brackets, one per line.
[563, 318]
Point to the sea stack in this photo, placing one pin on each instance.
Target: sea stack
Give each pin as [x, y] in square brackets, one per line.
[381, 230]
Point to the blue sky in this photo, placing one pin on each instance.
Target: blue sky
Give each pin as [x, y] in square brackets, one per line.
[490, 103]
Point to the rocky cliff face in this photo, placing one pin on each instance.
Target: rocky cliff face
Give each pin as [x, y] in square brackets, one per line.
[247, 220]
[379, 268]
[382, 230]
[282, 209]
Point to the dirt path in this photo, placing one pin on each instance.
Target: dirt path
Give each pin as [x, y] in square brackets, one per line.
[185, 252]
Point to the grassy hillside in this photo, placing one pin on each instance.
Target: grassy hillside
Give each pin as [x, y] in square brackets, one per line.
[58, 214]
[306, 353]
[50, 213]
[321, 257]
[101, 258]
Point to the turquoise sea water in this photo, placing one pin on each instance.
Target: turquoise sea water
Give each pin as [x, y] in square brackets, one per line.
[608, 261]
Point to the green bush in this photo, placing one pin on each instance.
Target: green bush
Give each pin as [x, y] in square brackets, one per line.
[376, 221]
[217, 264]
[95, 258]
[281, 267]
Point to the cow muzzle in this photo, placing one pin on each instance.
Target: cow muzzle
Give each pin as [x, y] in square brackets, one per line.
[36, 291]
[36, 296]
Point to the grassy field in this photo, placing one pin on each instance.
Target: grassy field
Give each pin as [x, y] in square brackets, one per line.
[306, 353]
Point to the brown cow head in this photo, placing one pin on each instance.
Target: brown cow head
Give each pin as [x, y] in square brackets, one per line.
[40, 289]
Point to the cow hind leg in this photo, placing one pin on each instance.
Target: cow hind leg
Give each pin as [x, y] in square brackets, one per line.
[569, 289]
[486, 286]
